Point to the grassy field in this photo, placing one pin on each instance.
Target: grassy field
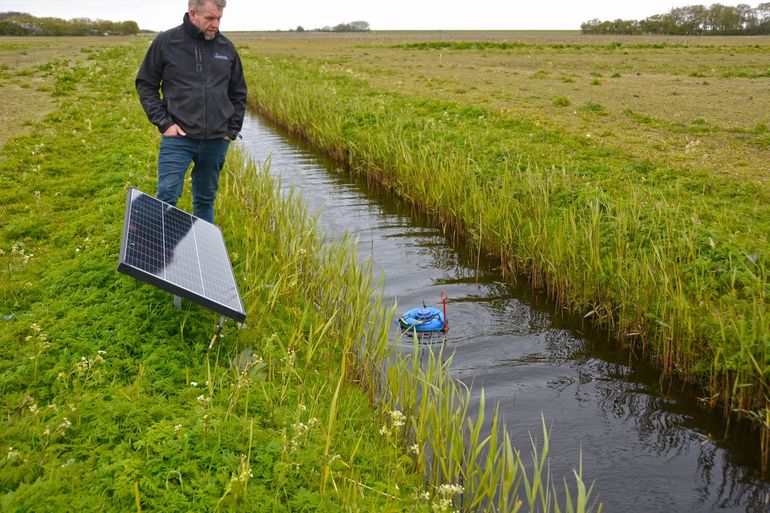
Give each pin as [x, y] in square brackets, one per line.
[27, 79]
[113, 400]
[626, 175]
[699, 103]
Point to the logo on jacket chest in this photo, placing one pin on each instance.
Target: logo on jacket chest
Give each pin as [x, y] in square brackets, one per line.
[222, 57]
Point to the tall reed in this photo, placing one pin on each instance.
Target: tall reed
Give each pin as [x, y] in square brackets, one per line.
[468, 459]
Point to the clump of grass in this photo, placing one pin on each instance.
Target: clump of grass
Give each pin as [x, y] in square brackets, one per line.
[596, 108]
[562, 101]
[461, 45]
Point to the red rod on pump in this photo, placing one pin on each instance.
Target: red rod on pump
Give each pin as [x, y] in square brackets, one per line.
[443, 302]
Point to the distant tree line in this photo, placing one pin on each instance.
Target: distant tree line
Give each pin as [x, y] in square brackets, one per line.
[692, 20]
[353, 26]
[23, 24]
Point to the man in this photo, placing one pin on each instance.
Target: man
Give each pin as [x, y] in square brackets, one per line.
[192, 88]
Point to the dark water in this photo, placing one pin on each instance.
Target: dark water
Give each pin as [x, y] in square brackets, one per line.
[647, 444]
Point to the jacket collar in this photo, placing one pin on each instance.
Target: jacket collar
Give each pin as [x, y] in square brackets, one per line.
[191, 29]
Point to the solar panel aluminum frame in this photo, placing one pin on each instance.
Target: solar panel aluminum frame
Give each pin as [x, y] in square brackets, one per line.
[234, 310]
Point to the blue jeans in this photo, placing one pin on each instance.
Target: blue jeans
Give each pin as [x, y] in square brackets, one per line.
[175, 156]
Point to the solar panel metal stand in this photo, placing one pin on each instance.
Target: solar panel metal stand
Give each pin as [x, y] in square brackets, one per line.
[177, 302]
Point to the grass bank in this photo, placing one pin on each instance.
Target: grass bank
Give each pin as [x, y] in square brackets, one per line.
[114, 400]
[671, 256]
[111, 398]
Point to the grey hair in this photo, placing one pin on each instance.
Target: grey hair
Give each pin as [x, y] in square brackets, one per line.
[195, 5]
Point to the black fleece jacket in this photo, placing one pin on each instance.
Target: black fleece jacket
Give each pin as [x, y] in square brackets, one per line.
[201, 81]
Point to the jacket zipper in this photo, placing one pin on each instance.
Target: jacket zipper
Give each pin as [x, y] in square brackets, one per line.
[200, 68]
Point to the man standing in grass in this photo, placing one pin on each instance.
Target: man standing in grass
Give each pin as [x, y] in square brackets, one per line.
[192, 88]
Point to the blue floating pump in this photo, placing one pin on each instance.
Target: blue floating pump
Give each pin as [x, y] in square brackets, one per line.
[424, 319]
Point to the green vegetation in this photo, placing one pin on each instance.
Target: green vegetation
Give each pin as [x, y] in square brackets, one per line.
[23, 24]
[658, 245]
[114, 400]
[353, 26]
[691, 20]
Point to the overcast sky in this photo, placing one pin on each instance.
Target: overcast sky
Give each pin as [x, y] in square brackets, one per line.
[381, 15]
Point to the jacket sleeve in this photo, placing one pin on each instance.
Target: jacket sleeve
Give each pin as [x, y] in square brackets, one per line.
[147, 82]
[237, 93]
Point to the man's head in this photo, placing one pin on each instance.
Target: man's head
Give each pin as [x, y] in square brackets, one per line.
[205, 14]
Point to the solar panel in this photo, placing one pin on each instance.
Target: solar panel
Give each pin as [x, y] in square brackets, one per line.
[178, 252]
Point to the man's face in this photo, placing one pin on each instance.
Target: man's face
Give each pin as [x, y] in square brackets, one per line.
[207, 19]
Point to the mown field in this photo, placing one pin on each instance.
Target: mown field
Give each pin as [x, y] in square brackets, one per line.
[113, 400]
[627, 175]
[699, 103]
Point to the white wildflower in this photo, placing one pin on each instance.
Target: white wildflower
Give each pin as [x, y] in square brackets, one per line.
[422, 496]
[290, 356]
[443, 505]
[449, 489]
[299, 429]
[397, 418]
[12, 453]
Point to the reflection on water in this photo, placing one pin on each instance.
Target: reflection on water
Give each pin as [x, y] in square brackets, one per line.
[649, 449]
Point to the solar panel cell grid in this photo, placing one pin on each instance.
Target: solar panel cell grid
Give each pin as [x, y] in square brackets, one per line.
[180, 253]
